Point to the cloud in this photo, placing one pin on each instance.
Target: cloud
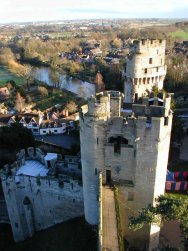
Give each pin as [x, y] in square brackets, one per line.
[25, 10]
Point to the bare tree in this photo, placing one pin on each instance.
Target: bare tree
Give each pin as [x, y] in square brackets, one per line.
[19, 102]
[99, 82]
[42, 91]
[71, 107]
[26, 72]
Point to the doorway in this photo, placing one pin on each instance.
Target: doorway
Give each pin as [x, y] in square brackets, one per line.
[108, 176]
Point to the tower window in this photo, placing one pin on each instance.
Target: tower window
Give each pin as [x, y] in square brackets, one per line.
[97, 140]
[95, 171]
[136, 96]
[150, 61]
[157, 69]
[145, 70]
[117, 143]
[130, 196]
[165, 121]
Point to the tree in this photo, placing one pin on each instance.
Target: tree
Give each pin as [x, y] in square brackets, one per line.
[177, 129]
[55, 77]
[26, 72]
[168, 207]
[71, 107]
[99, 82]
[19, 102]
[117, 42]
[16, 136]
[42, 91]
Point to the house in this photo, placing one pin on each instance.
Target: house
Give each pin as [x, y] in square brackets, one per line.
[96, 52]
[51, 127]
[4, 93]
[3, 109]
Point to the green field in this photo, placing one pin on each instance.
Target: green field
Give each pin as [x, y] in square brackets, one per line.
[6, 75]
[179, 34]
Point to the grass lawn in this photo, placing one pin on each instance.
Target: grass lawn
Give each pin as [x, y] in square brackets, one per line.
[62, 98]
[6, 75]
[73, 235]
[179, 34]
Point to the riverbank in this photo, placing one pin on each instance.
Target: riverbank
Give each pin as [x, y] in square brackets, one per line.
[7, 75]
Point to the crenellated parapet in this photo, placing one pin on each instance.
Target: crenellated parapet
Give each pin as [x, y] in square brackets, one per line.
[145, 68]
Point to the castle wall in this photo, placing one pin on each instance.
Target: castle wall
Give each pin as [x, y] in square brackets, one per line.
[50, 203]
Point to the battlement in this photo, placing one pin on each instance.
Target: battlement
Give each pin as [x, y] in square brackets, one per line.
[114, 94]
[153, 106]
[139, 45]
[99, 105]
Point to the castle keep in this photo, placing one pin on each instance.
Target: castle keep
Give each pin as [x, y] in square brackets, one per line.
[145, 68]
[131, 151]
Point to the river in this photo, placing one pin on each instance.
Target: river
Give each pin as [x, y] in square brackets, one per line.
[82, 88]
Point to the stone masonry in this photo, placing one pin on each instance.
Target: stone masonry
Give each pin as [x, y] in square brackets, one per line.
[145, 68]
[130, 151]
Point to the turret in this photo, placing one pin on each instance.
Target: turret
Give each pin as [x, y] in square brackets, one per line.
[92, 138]
[145, 68]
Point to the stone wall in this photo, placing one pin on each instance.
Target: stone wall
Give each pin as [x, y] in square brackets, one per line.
[139, 166]
[145, 68]
[50, 203]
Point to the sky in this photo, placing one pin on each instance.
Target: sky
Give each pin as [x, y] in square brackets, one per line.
[44, 10]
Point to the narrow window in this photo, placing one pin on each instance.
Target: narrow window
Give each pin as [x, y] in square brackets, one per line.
[150, 61]
[157, 69]
[97, 140]
[145, 70]
[165, 121]
[136, 96]
[130, 196]
[117, 147]
[95, 171]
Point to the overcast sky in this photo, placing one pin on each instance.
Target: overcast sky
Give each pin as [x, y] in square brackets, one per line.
[39, 10]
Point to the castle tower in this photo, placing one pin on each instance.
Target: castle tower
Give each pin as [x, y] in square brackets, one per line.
[92, 139]
[131, 152]
[145, 68]
[153, 130]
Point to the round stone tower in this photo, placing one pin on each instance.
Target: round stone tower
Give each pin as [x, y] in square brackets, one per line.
[144, 69]
[92, 139]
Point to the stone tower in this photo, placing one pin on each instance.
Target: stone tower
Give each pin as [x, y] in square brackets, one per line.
[145, 68]
[92, 137]
[130, 151]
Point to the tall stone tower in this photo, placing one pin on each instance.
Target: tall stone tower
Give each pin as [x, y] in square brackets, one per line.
[131, 152]
[145, 68]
